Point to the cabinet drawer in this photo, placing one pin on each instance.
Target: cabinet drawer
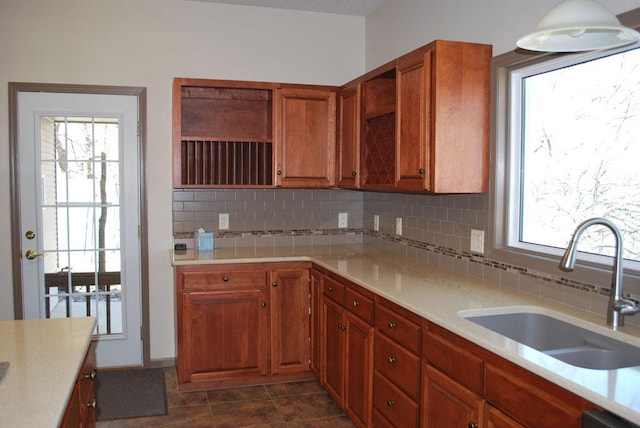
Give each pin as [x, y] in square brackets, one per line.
[542, 409]
[334, 290]
[393, 404]
[405, 332]
[397, 364]
[360, 305]
[224, 280]
[458, 363]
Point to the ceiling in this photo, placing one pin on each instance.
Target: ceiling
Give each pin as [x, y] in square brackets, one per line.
[342, 7]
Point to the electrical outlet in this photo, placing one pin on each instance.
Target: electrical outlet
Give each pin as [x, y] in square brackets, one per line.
[343, 220]
[223, 221]
[398, 225]
[477, 241]
[376, 222]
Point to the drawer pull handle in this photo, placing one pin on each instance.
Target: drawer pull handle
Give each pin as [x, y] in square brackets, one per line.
[263, 304]
[391, 360]
[353, 174]
[225, 278]
[93, 404]
[390, 403]
[391, 324]
[421, 171]
[91, 375]
[330, 288]
[274, 284]
[472, 425]
[341, 326]
[356, 303]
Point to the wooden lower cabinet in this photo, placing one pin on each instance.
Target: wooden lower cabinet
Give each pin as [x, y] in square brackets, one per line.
[466, 385]
[81, 409]
[224, 335]
[242, 324]
[347, 344]
[448, 404]
[289, 295]
[494, 418]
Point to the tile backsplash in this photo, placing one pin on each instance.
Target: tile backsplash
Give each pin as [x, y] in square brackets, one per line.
[435, 229]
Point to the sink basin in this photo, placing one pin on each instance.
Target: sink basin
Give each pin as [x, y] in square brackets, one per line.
[562, 340]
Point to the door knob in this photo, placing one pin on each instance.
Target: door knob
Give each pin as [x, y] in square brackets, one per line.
[31, 254]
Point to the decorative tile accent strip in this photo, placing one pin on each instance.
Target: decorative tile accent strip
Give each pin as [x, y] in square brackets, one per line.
[436, 249]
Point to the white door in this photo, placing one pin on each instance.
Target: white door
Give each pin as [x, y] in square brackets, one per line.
[79, 205]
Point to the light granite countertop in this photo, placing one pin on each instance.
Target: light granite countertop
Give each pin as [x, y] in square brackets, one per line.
[45, 357]
[441, 296]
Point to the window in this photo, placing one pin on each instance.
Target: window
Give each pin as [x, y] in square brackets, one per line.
[568, 150]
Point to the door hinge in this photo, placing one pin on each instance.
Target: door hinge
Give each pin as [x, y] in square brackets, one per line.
[141, 335]
[139, 232]
[138, 129]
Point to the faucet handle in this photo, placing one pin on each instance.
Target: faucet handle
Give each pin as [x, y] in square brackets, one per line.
[626, 306]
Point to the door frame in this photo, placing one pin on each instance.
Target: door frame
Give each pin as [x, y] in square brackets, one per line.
[14, 155]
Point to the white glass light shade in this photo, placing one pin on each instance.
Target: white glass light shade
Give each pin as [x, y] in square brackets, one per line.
[578, 25]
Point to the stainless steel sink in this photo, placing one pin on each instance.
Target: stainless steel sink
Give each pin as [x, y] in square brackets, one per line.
[562, 340]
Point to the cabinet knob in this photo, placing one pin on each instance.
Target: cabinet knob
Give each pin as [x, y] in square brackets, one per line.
[341, 326]
[472, 425]
[263, 304]
[330, 288]
[421, 171]
[353, 174]
[390, 403]
[225, 278]
[91, 375]
[93, 404]
[356, 303]
[274, 284]
[279, 172]
[391, 360]
[391, 324]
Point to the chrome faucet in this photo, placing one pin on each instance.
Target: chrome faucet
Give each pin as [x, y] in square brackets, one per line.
[618, 306]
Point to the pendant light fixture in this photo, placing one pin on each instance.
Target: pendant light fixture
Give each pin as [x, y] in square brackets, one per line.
[576, 26]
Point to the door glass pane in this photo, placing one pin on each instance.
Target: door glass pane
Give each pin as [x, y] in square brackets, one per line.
[80, 212]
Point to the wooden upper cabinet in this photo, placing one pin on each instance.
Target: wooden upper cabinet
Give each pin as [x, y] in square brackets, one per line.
[425, 124]
[235, 134]
[458, 139]
[305, 137]
[349, 125]
[413, 124]
[222, 134]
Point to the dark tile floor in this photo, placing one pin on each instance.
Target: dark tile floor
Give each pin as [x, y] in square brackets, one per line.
[290, 405]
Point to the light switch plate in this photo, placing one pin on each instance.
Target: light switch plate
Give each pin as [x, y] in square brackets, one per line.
[477, 241]
[398, 225]
[223, 221]
[376, 222]
[343, 220]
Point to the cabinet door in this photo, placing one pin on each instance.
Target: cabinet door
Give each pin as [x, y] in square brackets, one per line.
[358, 395]
[316, 323]
[446, 403]
[349, 137]
[305, 137]
[413, 121]
[223, 335]
[334, 347]
[493, 418]
[289, 321]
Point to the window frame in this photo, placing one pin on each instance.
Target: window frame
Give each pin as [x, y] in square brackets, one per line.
[503, 222]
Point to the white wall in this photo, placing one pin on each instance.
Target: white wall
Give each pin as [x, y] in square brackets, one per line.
[147, 43]
[399, 26]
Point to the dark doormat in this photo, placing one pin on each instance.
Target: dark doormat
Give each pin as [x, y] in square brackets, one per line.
[133, 393]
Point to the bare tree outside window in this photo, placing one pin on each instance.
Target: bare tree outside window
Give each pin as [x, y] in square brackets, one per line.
[581, 152]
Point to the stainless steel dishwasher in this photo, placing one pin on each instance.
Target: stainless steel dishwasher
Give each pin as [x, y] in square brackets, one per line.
[598, 419]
